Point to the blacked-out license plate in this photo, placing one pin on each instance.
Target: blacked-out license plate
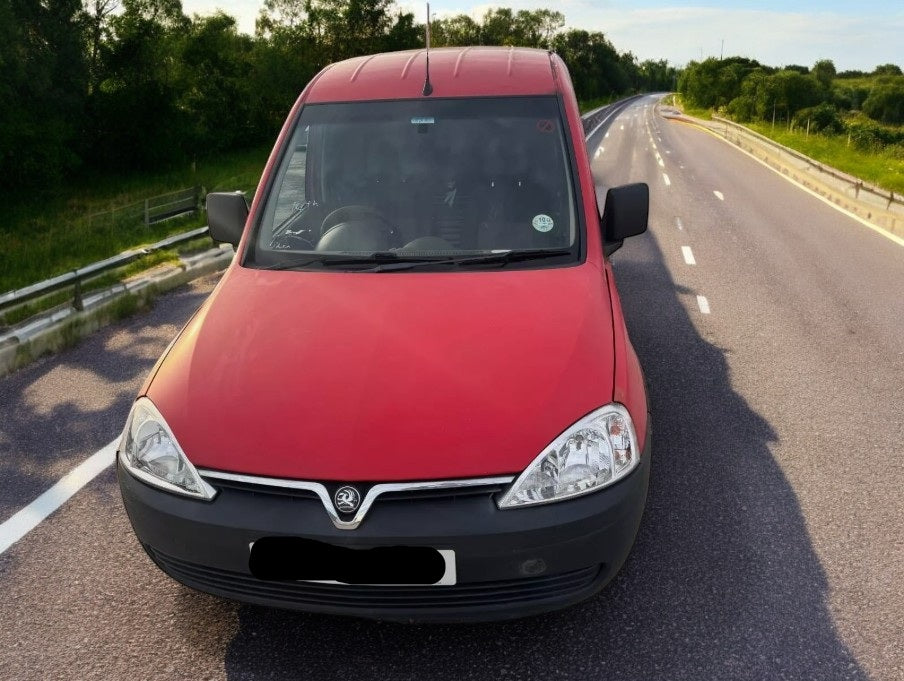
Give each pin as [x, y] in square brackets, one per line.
[294, 558]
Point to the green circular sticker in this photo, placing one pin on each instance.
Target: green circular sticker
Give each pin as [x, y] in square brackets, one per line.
[542, 223]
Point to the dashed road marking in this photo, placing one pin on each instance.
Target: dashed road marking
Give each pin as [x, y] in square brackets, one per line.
[679, 223]
[38, 510]
[688, 255]
[719, 195]
[665, 178]
[703, 304]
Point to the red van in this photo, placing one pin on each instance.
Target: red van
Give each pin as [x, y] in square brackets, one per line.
[412, 395]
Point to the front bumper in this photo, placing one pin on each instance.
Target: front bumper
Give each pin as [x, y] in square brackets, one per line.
[509, 563]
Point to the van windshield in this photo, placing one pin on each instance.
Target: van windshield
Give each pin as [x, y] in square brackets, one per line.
[431, 183]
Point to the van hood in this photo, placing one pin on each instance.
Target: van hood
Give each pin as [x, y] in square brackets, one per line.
[344, 376]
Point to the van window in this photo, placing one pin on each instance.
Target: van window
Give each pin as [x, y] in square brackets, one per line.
[438, 179]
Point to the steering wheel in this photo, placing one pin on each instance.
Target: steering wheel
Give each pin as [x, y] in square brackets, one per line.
[295, 241]
[360, 214]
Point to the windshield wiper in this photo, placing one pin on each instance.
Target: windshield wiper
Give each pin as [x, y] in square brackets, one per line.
[501, 258]
[506, 257]
[391, 261]
[337, 260]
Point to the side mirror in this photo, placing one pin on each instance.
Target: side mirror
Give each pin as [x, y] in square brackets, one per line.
[226, 216]
[626, 212]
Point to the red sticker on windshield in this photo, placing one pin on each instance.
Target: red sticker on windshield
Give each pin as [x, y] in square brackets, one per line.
[545, 125]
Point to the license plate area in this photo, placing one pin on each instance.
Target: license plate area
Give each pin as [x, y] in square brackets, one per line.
[299, 559]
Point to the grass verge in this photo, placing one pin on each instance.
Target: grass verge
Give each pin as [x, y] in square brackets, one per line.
[881, 168]
[170, 256]
[52, 235]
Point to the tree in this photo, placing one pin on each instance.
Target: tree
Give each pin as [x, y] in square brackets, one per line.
[137, 120]
[824, 72]
[537, 28]
[217, 94]
[887, 70]
[457, 31]
[498, 27]
[97, 21]
[43, 81]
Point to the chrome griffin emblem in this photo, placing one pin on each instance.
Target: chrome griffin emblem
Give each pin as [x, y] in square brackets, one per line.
[347, 499]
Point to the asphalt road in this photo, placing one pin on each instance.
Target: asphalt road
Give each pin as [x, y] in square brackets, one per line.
[772, 546]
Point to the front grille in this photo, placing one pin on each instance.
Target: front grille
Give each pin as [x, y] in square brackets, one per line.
[449, 493]
[480, 594]
[258, 488]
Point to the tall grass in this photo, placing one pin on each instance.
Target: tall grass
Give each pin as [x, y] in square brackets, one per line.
[883, 168]
[51, 234]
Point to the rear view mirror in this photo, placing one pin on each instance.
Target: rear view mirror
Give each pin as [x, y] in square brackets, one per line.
[226, 216]
[626, 213]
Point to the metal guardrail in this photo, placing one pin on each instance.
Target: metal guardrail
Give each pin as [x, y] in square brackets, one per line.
[858, 185]
[592, 119]
[77, 277]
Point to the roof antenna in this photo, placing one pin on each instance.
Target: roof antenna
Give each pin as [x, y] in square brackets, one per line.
[428, 88]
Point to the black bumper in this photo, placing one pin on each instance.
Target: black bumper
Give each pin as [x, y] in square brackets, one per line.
[509, 563]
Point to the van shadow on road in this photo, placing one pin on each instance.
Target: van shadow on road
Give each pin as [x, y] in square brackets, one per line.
[723, 582]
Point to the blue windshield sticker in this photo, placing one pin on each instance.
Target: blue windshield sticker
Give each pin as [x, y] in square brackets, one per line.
[423, 120]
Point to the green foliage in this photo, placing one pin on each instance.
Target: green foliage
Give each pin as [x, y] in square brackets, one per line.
[56, 235]
[748, 91]
[713, 83]
[824, 72]
[884, 168]
[887, 70]
[886, 102]
[823, 118]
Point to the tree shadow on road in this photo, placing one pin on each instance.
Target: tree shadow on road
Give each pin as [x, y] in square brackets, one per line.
[61, 409]
[723, 582]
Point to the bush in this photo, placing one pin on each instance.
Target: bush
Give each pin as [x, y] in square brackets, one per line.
[886, 103]
[822, 118]
[742, 109]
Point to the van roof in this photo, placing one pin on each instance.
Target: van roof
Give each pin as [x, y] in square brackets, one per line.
[454, 72]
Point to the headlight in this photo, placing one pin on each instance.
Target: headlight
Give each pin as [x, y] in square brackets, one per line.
[595, 452]
[149, 451]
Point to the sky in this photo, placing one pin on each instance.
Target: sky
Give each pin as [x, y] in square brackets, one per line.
[855, 35]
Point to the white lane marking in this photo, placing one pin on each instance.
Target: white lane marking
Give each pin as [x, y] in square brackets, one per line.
[667, 151]
[622, 127]
[688, 255]
[660, 161]
[38, 510]
[678, 222]
[597, 154]
[607, 134]
[888, 235]
[703, 304]
[665, 178]
[719, 195]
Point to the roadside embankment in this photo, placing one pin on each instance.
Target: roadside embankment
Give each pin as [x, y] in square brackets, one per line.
[879, 207]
